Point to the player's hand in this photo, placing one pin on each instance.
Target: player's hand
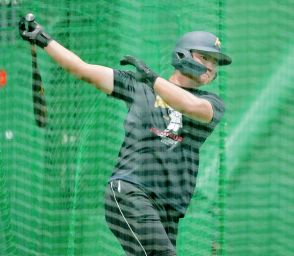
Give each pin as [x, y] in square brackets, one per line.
[144, 73]
[32, 32]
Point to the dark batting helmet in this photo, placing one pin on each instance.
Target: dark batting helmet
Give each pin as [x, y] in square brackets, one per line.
[204, 42]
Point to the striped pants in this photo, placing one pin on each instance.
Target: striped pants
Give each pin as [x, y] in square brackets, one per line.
[142, 226]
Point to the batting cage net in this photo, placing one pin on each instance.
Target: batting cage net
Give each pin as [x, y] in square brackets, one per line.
[52, 179]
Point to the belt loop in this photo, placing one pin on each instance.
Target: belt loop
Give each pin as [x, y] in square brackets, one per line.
[119, 187]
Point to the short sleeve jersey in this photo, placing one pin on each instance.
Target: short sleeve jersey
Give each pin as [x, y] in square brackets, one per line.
[160, 152]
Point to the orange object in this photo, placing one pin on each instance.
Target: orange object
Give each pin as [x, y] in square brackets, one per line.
[3, 78]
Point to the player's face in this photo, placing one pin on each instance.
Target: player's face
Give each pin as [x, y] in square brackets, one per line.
[209, 62]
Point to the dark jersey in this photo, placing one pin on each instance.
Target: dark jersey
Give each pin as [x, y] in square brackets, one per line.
[160, 152]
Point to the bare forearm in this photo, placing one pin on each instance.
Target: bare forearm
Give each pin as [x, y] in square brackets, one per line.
[183, 101]
[101, 77]
[65, 58]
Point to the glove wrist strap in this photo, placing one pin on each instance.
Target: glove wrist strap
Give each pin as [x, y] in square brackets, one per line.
[43, 39]
[151, 81]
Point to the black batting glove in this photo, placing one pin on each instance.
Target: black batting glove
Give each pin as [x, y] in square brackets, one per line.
[33, 33]
[144, 73]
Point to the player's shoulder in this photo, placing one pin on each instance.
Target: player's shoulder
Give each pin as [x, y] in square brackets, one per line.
[208, 94]
[130, 78]
[122, 74]
[126, 73]
[213, 98]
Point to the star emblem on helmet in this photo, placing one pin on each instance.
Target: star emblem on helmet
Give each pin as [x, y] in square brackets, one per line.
[217, 43]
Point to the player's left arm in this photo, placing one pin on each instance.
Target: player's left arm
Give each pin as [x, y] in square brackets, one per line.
[183, 101]
[179, 99]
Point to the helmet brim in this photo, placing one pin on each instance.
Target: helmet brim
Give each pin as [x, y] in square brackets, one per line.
[222, 59]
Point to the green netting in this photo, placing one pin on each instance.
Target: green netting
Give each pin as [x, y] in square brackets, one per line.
[52, 180]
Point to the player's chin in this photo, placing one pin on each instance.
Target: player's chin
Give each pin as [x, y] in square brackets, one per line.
[205, 79]
[200, 80]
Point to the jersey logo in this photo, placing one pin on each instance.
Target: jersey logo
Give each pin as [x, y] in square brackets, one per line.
[159, 103]
[170, 135]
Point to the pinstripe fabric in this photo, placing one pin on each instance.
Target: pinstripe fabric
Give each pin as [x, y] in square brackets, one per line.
[160, 152]
[142, 226]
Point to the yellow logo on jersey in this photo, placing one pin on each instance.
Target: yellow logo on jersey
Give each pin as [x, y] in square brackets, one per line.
[159, 103]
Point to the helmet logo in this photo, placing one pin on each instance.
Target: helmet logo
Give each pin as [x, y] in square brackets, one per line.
[217, 43]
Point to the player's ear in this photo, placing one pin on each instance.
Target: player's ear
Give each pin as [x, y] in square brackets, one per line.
[215, 76]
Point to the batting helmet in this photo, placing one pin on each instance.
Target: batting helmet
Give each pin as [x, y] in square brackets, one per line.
[200, 41]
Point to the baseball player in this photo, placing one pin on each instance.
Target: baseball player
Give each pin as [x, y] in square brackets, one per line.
[168, 120]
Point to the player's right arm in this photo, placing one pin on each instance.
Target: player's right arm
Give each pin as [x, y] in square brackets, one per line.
[99, 76]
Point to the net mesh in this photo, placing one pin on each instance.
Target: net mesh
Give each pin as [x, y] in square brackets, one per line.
[52, 180]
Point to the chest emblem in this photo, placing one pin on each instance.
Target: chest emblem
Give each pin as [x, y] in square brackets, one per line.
[170, 136]
[159, 103]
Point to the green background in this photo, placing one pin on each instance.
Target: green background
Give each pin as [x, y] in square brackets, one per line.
[52, 180]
